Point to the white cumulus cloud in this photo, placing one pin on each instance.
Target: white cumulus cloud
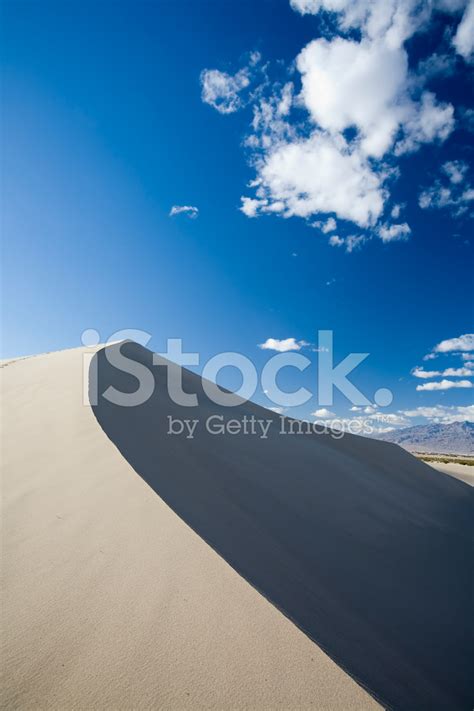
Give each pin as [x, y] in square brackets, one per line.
[464, 372]
[461, 343]
[459, 372]
[445, 385]
[250, 206]
[319, 174]
[282, 346]
[464, 38]
[391, 233]
[394, 20]
[348, 83]
[332, 147]
[323, 413]
[420, 373]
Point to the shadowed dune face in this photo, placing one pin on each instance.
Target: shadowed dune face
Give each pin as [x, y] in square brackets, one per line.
[363, 547]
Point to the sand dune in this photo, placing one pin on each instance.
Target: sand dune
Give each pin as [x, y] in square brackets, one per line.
[216, 578]
[110, 600]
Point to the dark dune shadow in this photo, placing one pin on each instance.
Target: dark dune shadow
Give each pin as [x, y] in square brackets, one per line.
[362, 546]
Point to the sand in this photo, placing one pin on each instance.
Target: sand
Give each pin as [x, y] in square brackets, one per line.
[463, 472]
[148, 571]
[110, 600]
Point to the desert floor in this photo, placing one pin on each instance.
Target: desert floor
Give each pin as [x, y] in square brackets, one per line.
[463, 472]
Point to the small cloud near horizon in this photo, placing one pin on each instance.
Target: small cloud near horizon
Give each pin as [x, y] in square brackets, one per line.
[445, 385]
[282, 346]
[323, 413]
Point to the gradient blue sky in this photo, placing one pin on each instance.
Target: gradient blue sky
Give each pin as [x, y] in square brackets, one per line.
[104, 129]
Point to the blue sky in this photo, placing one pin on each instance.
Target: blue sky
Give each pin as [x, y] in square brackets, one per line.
[110, 121]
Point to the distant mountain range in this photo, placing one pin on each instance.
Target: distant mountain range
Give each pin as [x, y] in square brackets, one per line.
[455, 438]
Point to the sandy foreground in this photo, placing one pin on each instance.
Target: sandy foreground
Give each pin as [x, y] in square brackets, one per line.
[114, 599]
[110, 600]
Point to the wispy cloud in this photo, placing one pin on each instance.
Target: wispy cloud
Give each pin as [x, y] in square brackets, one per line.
[451, 191]
[224, 91]
[442, 413]
[329, 225]
[188, 210]
[351, 242]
